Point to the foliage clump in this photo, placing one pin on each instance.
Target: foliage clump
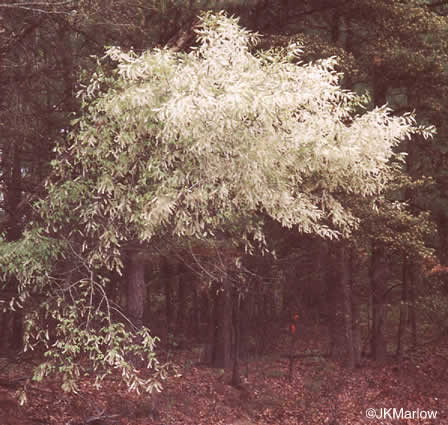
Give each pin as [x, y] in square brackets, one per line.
[192, 146]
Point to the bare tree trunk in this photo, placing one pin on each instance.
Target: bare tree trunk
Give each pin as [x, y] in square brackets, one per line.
[356, 324]
[136, 289]
[196, 314]
[3, 332]
[379, 273]
[244, 331]
[182, 283]
[322, 276]
[14, 194]
[208, 352]
[236, 377]
[340, 300]
[346, 286]
[65, 55]
[403, 309]
[442, 230]
[223, 337]
[415, 279]
[166, 278]
[335, 303]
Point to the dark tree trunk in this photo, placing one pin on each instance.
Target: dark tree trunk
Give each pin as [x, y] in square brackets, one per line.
[368, 341]
[65, 55]
[223, 337]
[166, 278]
[4, 332]
[335, 302]
[182, 283]
[356, 317]
[269, 309]
[136, 289]
[340, 300]
[244, 331]
[196, 314]
[346, 284]
[403, 309]
[147, 308]
[415, 279]
[260, 319]
[211, 327]
[321, 266]
[379, 274]
[236, 377]
[14, 196]
[442, 230]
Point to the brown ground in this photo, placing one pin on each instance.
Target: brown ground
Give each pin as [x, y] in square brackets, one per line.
[320, 392]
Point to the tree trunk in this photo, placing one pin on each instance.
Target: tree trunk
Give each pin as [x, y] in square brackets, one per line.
[379, 274]
[196, 314]
[340, 306]
[4, 332]
[211, 327]
[236, 377]
[346, 284]
[65, 55]
[223, 337]
[403, 309]
[182, 283]
[261, 320]
[14, 195]
[415, 278]
[321, 266]
[166, 278]
[356, 322]
[136, 289]
[244, 331]
[335, 303]
[442, 231]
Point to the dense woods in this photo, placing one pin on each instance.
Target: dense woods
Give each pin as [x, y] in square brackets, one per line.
[227, 179]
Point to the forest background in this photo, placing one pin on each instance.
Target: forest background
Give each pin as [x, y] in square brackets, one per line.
[380, 291]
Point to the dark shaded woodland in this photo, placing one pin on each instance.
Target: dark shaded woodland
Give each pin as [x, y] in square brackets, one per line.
[372, 301]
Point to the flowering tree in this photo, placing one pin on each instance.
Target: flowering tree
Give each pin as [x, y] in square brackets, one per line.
[192, 146]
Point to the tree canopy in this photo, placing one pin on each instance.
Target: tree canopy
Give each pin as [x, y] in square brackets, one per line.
[192, 145]
[187, 142]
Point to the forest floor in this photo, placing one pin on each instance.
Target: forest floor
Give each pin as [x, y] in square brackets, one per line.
[319, 391]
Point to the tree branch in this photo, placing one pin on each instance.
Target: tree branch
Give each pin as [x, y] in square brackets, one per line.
[36, 6]
[437, 4]
[330, 6]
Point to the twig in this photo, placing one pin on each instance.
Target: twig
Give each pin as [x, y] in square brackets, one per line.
[303, 355]
[100, 417]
